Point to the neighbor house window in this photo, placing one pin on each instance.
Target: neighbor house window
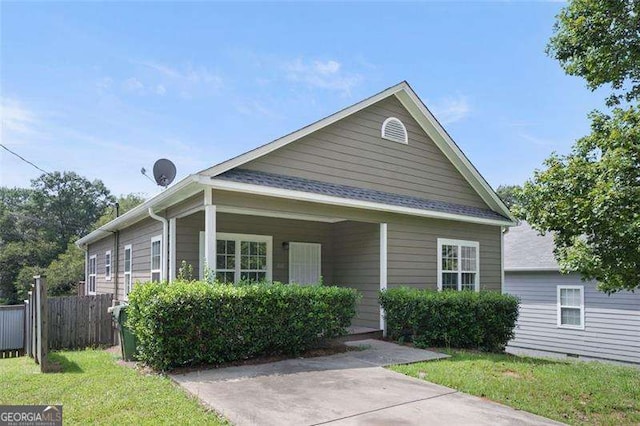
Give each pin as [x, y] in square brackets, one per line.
[107, 265]
[93, 268]
[571, 306]
[458, 265]
[156, 258]
[127, 269]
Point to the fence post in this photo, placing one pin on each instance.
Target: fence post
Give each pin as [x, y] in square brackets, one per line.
[43, 321]
[27, 328]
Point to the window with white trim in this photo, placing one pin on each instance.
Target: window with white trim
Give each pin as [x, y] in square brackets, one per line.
[571, 306]
[107, 265]
[93, 269]
[458, 265]
[127, 269]
[156, 258]
[242, 257]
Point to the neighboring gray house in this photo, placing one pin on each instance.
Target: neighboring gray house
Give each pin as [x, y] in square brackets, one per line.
[374, 196]
[560, 313]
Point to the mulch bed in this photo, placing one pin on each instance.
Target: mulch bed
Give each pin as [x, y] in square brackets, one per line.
[329, 348]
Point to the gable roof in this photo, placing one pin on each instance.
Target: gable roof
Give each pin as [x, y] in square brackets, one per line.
[353, 193]
[498, 215]
[526, 250]
[419, 112]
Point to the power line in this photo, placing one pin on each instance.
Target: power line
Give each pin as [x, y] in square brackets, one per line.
[25, 160]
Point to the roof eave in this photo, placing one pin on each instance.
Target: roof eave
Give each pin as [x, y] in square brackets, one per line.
[226, 185]
[140, 212]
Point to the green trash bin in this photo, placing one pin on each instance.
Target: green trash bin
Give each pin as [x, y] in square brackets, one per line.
[128, 341]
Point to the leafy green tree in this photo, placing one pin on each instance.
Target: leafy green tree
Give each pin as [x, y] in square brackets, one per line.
[508, 194]
[64, 272]
[68, 205]
[125, 202]
[37, 224]
[590, 199]
[599, 40]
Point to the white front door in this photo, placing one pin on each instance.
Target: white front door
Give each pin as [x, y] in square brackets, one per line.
[305, 262]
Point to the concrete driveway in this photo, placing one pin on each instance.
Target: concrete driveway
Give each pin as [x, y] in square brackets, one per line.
[351, 388]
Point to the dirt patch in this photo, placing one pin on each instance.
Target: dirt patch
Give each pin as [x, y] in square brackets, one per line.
[330, 348]
[511, 373]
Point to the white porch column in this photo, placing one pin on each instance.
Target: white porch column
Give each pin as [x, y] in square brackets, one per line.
[383, 272]
[209, 232]
[172, 249]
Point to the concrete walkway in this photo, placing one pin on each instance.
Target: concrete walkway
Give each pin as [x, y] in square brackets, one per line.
[350, 388]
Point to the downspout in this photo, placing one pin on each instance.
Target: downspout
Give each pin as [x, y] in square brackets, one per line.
[165, 242]
[115, 264]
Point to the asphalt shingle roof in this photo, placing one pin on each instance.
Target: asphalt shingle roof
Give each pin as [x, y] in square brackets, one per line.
[525, 248]
[353, 193]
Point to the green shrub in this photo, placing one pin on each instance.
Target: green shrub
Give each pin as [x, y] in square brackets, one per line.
[189, 323]
[464, 319]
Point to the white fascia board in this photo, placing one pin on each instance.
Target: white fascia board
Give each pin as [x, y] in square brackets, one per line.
[176, 193]
[343, 202]
[276, 214]
[447, 145]
[532, 269]
[291, 137]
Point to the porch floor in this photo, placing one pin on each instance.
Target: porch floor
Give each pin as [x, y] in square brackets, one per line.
[355, 332]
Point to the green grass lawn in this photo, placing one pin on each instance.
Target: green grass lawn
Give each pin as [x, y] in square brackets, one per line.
[570, 392]
[94, 389]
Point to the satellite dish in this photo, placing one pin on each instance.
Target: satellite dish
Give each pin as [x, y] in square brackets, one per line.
[164, 172]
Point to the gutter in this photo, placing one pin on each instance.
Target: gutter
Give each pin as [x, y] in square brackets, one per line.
[139, 212]
[165, 242]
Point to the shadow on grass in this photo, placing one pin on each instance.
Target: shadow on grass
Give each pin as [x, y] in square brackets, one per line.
[65, 365]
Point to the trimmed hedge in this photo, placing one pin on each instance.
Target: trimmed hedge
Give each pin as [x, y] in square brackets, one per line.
[459, 319]
[190, 323]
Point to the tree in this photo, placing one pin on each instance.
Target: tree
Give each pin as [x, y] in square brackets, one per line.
[68, 205]
[125, 202]
[590, 199]
[508, 194]
[599, 40]
[37, 224]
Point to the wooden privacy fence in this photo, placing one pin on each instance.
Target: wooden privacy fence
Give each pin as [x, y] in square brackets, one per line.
[80, 321]
[12, 331]
[43, 324]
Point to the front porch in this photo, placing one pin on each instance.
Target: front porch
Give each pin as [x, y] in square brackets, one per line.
[241, 244]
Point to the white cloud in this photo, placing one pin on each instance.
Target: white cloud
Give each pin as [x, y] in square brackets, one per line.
[188, 75]
[535, 140]
[450, 110]
[16, 118]
[255, 108]
[160, 90]
[133, 85]
[327, 75]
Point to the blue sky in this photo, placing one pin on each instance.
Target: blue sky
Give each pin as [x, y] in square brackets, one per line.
[104, 89]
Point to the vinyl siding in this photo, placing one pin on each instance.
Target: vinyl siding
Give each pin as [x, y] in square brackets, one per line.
[412, 251]
[612, 323]
[99, 248]
[356, 250]
[352, 152]
[282, 230]
[194, 202]
[139, 236]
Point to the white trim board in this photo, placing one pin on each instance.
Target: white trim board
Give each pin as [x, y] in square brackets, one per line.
[344, 202]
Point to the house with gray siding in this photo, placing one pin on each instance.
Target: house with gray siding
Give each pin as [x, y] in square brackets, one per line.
[559, 313]
[376, 195]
